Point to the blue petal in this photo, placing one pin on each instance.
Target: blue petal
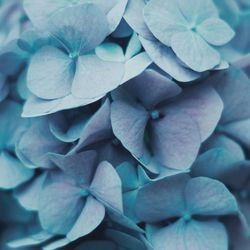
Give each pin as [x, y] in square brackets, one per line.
[32, 240]
[136, 65]
[194, 51]
[205, 196]
[34, 106]
[219, 140]
[128, 176]
[95, 77]
[134, 17]
[40, 12]
[79, 166]
[175, 146]
[204, 105]
[50, 73]
[168, 203]
[91, 216]
[152, 88]
[196, 11]
[207, 235]
[233, 86]
[106, 187]
[110, 52]
[164, 18]
[115, 14]
[13, 173]
[134, 46]
[240, 131]
[38, 155]
[28, 194]
[79, 28]
[214, 163]
[97, 128]
[58, 211]
[215, 31]
[167, 61]
[129, 129]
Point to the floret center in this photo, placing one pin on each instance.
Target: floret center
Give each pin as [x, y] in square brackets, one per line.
[155, 114]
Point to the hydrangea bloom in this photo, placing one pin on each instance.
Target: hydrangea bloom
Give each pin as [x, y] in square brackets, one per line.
[184, 199]
[146, 124]
[177, 34]
[103, 145]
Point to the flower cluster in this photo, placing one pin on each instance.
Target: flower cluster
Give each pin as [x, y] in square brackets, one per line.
[124, 124]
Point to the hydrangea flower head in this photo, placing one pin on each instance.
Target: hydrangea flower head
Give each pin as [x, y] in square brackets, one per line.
[181, 37]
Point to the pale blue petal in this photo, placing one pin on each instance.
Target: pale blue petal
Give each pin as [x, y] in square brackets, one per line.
[205, 196]
[134, 46]
[128, 175]
[22, 88]
[106, 187]
[13, 173]
[164, 133]
[204, 105]
[194, 51]
[79, 166]
[136, 65]
[164, 18]
[91, 216]
[162, 199]
[50, 73]
[167, 61]
[233, 86]
[28, 194]
[134, 17]
[115, 14]
[110, 52]
[196, 11]
[79, 28]
[129, 123]
[169, 236]
[219, 140]
[34, 106]
[95, 77]
[40, 11]
[151, 88]
[215, 31]
[32, 240]
[37, 153]
[126, 222]
[214, 163]
[195, 235]
[97, 128]
[240, 131]
[211, 235]
[129, 201]
[59, 210]
[229, 11]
